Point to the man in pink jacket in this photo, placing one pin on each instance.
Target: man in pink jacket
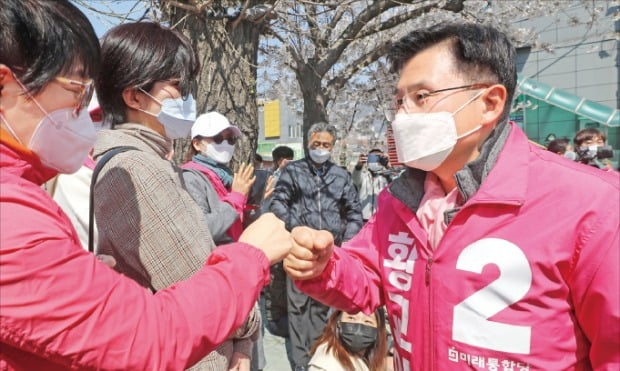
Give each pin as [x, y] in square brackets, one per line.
[489, 252]
[60, 308]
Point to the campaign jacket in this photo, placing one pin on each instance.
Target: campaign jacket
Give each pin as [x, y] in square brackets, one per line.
[526, 276]
[60, 308]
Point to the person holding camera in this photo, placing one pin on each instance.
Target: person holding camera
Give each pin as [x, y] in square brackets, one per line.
[590, 144]
[371, 180]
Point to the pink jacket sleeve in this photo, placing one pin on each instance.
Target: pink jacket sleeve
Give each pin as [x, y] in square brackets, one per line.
[595, 285]
[351, 280]
[60, 303]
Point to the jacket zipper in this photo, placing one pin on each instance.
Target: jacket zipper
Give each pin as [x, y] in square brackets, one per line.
[429, 263]
[318, 198]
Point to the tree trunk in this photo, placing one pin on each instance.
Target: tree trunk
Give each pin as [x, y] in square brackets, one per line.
[227, 51]
[315, 101]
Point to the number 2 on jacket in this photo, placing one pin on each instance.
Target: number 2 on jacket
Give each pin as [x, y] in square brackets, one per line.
[471, 324]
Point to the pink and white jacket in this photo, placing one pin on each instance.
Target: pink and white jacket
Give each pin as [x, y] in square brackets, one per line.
[60, 308]
[526, 276]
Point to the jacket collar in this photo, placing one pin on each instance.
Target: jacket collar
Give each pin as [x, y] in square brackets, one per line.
[313, 169]
[503, 152]
[135, 135]
[20, 161]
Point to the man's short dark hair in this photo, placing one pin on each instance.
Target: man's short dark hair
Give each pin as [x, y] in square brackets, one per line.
[558, 145]
[281, 152]
[139, 55]
[375, 150]
[40, 40]
[587, 134]
[481, 53]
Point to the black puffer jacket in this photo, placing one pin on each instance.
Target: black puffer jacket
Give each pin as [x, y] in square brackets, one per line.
[327, 201]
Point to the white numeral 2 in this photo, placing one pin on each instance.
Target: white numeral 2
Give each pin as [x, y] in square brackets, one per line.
[471, 324]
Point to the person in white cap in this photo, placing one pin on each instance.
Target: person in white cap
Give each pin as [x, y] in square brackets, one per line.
[212, 180]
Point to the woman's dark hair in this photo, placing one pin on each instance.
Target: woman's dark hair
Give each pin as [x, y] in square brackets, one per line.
[481, 53]
[40, 40]
[137, 55]
[192, 151]
[375, 356]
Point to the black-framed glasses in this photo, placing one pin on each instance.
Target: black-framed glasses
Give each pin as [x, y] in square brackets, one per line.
[418, 98]
[86, 91]
[218, 139]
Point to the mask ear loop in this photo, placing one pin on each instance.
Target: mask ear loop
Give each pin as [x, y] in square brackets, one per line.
[11, 131]
[463, 106]
[468, 102]
[36, 103]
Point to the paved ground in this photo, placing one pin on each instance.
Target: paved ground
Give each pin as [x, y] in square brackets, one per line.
[275, 353]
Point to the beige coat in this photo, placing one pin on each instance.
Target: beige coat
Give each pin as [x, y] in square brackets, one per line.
[150, 224]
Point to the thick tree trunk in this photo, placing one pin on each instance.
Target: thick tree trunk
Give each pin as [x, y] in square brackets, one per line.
[227, 51]
[315, 102]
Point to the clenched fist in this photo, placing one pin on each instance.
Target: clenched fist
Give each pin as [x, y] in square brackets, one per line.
[268, 234]
[310, 253]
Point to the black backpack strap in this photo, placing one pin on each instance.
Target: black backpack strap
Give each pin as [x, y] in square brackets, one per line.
[91, 202]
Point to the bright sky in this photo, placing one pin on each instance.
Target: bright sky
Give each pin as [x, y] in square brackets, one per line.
[102, 22]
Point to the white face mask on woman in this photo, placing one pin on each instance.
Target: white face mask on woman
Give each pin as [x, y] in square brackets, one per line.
[221, 153]
[177, 115]
[424, 140]
[61, 139]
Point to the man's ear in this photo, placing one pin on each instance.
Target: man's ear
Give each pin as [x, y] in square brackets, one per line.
[132, 98]
[494, 100]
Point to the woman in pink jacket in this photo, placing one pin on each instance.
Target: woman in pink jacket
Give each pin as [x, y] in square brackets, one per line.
[60, 307]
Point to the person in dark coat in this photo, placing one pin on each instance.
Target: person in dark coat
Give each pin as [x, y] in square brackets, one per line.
[314, 192]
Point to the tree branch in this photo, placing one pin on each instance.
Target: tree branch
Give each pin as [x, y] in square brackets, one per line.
[396, 20]
[337, 83]
[349, 34]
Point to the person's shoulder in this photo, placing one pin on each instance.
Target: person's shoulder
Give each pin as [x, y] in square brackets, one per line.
[25, 206]
[574, 175]
[322, 359]
[338, 171]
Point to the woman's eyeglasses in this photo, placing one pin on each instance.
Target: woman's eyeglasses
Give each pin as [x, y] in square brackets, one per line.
[85, 94]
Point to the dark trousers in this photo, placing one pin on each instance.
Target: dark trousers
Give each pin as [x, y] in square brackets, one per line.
[306, 320]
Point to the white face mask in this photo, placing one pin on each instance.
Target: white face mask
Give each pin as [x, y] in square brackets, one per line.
[221, 153]
[61, 140]
[319, 155]
[424, 140]
[177, 115]
[375, 166]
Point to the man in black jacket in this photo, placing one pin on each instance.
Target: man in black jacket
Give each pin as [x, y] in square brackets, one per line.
[316, 193]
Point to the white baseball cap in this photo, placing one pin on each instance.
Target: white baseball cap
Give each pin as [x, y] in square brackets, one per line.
[211, 124]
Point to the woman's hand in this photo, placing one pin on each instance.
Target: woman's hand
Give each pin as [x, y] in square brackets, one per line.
[269, 187]
[239, 362]
[243, 179]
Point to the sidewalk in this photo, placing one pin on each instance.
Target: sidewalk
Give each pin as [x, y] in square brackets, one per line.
[275, 353]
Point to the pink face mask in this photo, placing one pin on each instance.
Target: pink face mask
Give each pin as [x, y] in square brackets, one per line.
[61, 140]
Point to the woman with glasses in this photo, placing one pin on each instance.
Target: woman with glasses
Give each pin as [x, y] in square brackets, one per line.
[221, 194]
[61, 308]
[146, 219]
